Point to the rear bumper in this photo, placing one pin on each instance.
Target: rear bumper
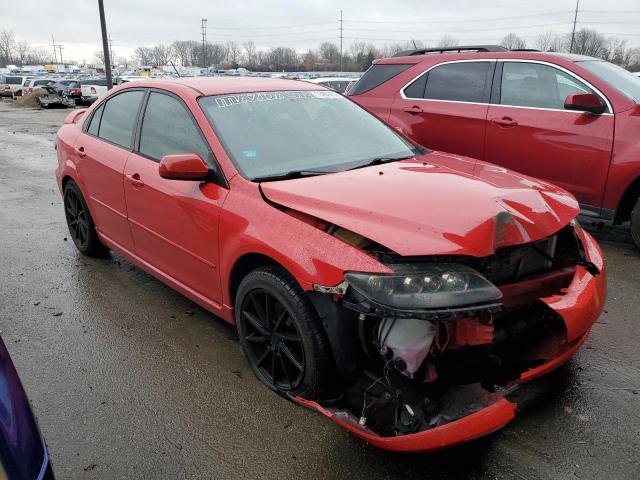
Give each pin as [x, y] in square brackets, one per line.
[580, 306]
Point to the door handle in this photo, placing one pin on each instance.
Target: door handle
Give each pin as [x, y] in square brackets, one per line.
[135, 180]
[80, 151]
[414, 109]
[504, 122]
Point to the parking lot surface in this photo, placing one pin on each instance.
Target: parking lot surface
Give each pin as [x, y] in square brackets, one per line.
[129, 379]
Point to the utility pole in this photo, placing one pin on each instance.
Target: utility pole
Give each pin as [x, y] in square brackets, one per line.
[204, 42]
[105, 45]
[341, 29]
[110, 47]
[55, 52]
[60, 47]
[575, 20]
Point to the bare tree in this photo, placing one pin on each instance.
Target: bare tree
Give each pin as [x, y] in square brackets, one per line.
[7, 45]
[309, 61]
[144, 55]
[549, 42]
[161, 54]
[232, 53]
[22, 51]
[448, 41]
[38, 56]
[99, 56]
[182, 52]
[513, 42]
[250, 54]
[589, 42]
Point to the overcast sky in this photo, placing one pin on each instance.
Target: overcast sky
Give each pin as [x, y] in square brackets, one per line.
[304, 24]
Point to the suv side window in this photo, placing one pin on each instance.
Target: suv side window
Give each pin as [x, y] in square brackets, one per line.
[119, 118]
[527, 84]
[168, 128]
[460, 82]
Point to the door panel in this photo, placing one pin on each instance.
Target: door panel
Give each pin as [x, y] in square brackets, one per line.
[446, 108]
[101, 166]
[447, 126]
[569, 149]
[175, 225]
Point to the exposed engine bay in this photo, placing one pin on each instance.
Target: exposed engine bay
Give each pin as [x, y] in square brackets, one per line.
[406, 369]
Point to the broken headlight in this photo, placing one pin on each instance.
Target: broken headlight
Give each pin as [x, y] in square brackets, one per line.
[425, 286]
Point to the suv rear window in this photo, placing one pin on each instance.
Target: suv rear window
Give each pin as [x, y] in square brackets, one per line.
[376, 76]
[14, 80]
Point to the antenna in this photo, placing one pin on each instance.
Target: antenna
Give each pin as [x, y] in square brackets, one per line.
[341, 37]
[575, 19]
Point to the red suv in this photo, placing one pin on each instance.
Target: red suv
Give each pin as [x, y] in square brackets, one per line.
[568, 119]
[403, 293]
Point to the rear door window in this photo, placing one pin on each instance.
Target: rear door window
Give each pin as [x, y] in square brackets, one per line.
[535, 85]
[14, 80]
[376, 76]
[119, 118]
[168, 128]
[460, 82]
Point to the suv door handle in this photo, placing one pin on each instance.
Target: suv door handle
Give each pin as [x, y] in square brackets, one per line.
[80, 151]
[134, 180]
[414, 109]
[504, 122]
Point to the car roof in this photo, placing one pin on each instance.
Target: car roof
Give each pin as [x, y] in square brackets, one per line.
[227, 85]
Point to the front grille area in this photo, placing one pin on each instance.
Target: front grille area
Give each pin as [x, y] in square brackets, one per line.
[511, 264]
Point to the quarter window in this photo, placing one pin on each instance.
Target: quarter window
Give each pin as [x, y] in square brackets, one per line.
[168, 129]
[535, 85]
[460, 82]
[376, 75]
[119, 118]
[95, 121]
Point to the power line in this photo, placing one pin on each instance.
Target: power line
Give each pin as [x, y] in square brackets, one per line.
[490, 19]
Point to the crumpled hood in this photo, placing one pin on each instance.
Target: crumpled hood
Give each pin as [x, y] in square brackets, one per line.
[438, 204]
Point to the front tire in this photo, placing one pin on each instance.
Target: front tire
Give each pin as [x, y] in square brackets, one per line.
[80, 223]
[281, 334]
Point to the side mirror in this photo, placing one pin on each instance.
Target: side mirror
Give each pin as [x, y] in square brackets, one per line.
[183, 166]
[585, 102]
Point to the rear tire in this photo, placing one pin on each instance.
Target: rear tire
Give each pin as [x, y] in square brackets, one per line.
[635, 223]
[80, 223]
[282, 335]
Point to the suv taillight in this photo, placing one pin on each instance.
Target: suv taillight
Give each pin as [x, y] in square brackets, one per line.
[30, 90]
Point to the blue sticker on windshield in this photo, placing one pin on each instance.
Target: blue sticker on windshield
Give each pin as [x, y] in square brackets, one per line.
[249, 153]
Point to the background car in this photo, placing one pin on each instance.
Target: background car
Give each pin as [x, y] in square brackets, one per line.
[568, 119]
[33, 84]
[416, 289]
[91, 89]
[339, 84]
[13, 85]
[23, 452]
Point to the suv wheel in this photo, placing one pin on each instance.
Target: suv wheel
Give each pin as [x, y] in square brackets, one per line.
[281, 334]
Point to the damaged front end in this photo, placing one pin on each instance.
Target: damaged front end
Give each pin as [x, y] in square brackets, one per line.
[429, 354]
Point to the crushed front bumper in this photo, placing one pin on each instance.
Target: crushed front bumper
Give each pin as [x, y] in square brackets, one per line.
[580, 305]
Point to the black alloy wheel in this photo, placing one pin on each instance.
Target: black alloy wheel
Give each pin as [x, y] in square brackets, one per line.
[81, 226]
[76, 219]
[274, 345]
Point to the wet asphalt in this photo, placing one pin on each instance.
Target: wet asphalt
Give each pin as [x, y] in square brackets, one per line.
[129, 379]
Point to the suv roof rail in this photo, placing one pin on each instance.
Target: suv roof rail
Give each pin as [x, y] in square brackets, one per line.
[459, 48]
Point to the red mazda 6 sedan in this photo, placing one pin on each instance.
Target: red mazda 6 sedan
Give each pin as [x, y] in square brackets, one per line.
[405, 294]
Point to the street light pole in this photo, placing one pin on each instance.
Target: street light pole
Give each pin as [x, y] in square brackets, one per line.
[105, 46]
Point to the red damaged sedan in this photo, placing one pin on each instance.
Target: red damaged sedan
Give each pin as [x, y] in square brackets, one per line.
[403, 293]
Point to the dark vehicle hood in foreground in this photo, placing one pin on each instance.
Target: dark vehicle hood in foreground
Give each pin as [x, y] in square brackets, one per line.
[22, 451]
[438, 204]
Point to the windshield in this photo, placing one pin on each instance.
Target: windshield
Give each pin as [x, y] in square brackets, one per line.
[272, 133]
[619, 78]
